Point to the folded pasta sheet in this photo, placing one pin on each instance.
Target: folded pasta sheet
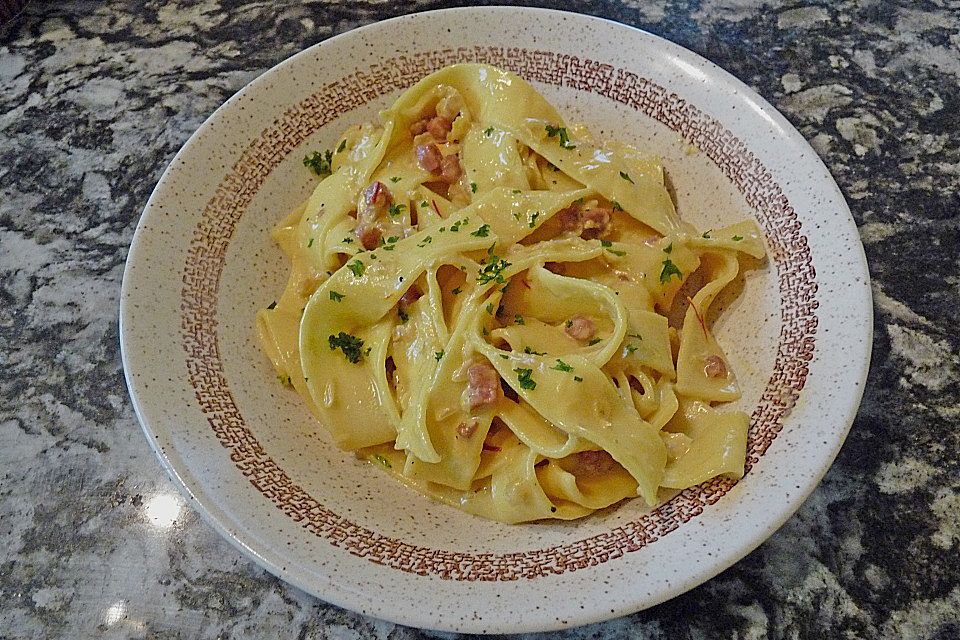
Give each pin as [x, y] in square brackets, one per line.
[478, 302]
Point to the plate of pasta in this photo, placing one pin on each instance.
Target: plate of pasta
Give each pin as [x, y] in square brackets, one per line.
[518, 331]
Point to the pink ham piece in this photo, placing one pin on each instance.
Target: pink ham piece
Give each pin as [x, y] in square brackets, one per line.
[714, 367]
[580, 328]
[429, 157]
[482, 384]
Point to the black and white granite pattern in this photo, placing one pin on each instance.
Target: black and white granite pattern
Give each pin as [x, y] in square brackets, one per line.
[95, 99]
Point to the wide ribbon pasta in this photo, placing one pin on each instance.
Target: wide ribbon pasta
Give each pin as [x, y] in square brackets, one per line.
[504, 313]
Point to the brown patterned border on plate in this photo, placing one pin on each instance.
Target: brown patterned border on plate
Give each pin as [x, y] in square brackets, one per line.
[205, 263]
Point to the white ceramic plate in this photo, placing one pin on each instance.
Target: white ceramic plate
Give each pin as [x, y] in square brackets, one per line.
[266, 475]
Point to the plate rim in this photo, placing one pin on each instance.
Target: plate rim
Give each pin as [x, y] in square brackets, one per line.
[333, 588]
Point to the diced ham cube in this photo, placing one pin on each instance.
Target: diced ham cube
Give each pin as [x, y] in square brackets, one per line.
[369, 235]
[467, 429]
[482, 384]
[450, 169]
[439, 127]
[581, 328]
[377, 194]
[596, 222]
[429, 157]
[569, 218]
[418, 127]
[595, 462]
[714, 367]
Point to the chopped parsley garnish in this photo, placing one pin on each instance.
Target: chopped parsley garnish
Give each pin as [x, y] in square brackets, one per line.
[533, 352]
[343, 145]
[560, 132]
[390, 244]
[606, 244]
[562, 366]
[404, 317]
[706, 234]
[626, 176]
[456, 291]
[737, 238]
[523, 377]
[482, 232]
[533, 219]
[493, 271]
[518, 319]
[504, 356]
[473, 187]
[578, 378]
[488, 131]
[347, 240]
[594, 341]
[438, 355]
[425, 241]
[351, 346]
[631, 348]
[319, 162]
[442, 229]
[668, 248]
[272, 305]
[616, 205]
[357, 268]
[379, 458]
[394, 179]
[455, 227]
[516, 191]
[568, 324]
[396, 209]
[285, 381]
[424, 204]
[669, 270]
[310, 243]
[336, 297]
[490, 308]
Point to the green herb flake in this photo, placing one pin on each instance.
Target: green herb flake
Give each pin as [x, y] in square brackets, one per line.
[668, 248]
[396, 210]
[533, 352]
[456, 291]
[706, 234]
[518, 319]
[395, 179]
[504, 356]
[425, 241]
[516, 191]
[493, 271]
[578, 378]
[319, 162]
[562, 366]
[737, 238]
[669, 270]
[631, 348]
[424, 204]
[561, 133]
[455, 227]
[438, 355]
[404, 317]
[616, 205]
[357, 268]
[336, 297]
[272, 305]
[490, 308]
[524, 378]
[488, 131]
[382, 460]
[351, 346]
[342, 146]
[533, 219]
[482, 232]
[473, 187]
[606, 244]
[347, 240]
[626, 176]
[285, 381]
[310, 243]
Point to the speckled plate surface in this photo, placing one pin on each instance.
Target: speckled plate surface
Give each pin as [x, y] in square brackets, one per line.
[262, 472]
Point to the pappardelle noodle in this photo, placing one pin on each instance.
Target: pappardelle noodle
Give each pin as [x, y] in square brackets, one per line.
[505, 313]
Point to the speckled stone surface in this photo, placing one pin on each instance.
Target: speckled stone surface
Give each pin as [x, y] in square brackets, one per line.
[95, 99]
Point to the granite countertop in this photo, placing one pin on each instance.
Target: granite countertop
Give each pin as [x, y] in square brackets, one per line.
[97, 97]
